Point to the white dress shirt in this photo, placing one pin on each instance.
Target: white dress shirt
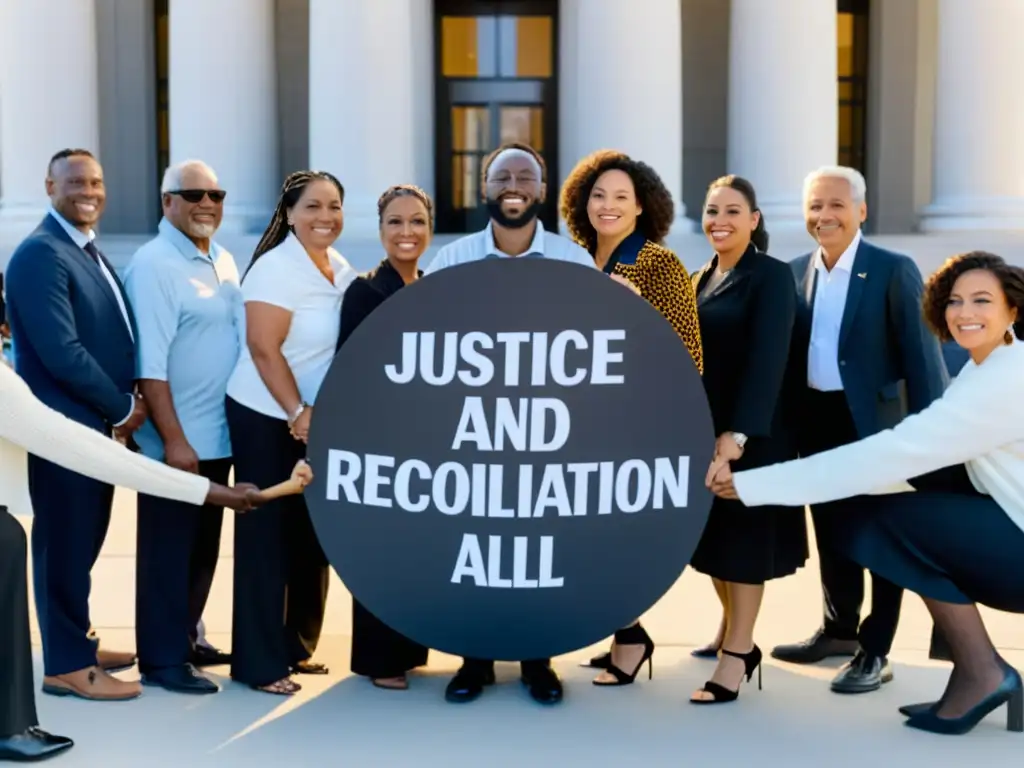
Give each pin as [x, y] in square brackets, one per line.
[827, 318]
[480, 245]
[978, 422]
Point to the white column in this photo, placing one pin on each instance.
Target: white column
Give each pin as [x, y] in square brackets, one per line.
[48, 79]
[622, 85]
[223, 101]
[369, 67]
[978, 160]
[783, 100]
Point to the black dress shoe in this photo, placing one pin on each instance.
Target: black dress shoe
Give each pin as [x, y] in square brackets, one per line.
[32, 745]
[864, 674]
[818, 648]
[204, 656]
[467, 685]
[543, 684]
[183, 679]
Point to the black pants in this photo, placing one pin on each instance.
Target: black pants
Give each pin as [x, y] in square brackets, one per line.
[827, 424]
[71, 515]
[281, 572]
[484, 667]
[378, 651]
[17, 698]
[177, 549]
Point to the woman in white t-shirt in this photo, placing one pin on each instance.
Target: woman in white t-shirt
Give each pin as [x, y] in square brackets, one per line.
[292, 292]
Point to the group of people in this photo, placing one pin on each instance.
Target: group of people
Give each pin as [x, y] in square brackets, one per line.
[825, 379]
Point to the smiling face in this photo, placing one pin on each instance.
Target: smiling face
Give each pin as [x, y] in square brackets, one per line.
[978, 313]
[728, 221]
[76, 190]
[612, 206]
[317, 216]
[405, 229]
[514, 189]
[831, 214]
[197, 220]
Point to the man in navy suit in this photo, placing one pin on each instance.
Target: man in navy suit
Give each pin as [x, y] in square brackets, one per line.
[867, 361]
[75, 338]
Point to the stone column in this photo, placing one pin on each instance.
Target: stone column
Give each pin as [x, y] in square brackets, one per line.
[621, 84]
[48, 83]
[783, 100]
[978, 152]
[370, 77]
[223, 104]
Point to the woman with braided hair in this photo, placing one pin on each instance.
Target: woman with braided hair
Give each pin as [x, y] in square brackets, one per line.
[292, 291]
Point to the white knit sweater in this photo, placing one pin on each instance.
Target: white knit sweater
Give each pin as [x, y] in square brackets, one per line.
[979, 421]
[29, 426]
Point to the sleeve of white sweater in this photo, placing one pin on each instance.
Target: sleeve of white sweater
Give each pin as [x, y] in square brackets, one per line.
[979, 412]
[30, 424]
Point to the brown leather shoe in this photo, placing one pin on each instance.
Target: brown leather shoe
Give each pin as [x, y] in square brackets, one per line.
[91, 683]
[115, 661]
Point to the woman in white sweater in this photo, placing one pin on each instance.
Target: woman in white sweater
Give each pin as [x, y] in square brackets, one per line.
[957, 538]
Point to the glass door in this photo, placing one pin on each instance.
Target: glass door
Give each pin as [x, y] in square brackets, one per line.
[496, 84]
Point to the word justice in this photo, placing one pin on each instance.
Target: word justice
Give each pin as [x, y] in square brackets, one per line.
[572, 489]
[568, 359]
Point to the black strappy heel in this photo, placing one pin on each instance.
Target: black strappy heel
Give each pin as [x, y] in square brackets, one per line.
[720, 694]
[635, 635]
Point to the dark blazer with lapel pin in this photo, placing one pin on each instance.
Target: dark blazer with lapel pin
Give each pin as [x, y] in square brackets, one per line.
[890, 363]
[746, 324]
[74, 350]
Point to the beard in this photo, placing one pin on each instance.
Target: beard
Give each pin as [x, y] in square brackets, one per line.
[523, 219]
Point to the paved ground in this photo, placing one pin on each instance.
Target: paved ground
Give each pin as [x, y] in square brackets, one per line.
[342, 720]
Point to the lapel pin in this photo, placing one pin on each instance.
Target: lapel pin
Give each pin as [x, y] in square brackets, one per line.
[862, 275]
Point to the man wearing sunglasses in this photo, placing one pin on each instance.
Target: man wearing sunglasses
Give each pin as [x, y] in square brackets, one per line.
[184, 288]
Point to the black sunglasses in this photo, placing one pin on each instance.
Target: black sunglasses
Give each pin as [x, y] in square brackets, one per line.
[196, 195]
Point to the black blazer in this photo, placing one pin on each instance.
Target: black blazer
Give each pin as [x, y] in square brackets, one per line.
[366, 294]
[746, 326]
[890, 363]
[72, 346]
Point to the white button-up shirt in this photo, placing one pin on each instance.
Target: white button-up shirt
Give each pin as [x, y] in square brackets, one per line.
[480, 245]
[827, 318]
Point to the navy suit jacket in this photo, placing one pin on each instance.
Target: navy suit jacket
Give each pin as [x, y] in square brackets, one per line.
[890, 363]
[73, 348]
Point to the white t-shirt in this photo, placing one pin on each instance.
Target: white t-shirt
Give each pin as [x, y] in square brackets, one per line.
[286, 277]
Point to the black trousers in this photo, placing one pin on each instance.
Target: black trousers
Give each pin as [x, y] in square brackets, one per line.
[17, 697]
[177, 548]
[827, 424]
[486, 666]
[378, 651]
[71, 514]
[281, 572]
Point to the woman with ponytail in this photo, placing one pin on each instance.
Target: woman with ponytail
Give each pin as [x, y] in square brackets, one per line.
[292, 290]
[747, 305]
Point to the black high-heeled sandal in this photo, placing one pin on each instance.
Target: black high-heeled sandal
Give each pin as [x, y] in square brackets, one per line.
[720, 694]
[635, 635]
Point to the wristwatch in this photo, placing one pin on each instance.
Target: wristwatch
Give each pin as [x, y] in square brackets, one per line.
[298, 412]
[739, 438]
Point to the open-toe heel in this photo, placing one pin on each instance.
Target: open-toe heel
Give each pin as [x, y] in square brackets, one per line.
[719, 693]
[635, 635]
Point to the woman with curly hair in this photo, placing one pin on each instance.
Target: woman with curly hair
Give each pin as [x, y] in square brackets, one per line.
[747, 302]
[406, 216]
[620, 211]
[958, 539]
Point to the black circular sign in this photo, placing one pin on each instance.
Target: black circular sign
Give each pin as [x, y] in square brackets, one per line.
[509, 459]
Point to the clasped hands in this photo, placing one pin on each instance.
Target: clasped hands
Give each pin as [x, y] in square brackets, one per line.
[719, 477]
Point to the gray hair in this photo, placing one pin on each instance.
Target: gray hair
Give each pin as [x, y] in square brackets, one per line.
[858, 187]
[173, 174]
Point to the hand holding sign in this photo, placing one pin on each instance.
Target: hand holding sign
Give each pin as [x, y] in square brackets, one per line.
[509, 482]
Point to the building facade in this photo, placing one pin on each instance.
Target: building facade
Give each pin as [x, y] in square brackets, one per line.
[917, 94]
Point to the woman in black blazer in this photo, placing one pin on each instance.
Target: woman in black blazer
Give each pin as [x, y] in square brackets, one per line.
[746, 301]
[406, 223]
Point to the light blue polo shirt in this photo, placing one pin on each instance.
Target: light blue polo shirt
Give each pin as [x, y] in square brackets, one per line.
[191, 324]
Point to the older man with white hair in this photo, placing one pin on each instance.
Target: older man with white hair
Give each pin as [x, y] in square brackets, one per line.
[866, 362]
[185, 291]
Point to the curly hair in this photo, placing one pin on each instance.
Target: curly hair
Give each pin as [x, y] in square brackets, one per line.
[939, 287]
[658, 209]
[405, 190]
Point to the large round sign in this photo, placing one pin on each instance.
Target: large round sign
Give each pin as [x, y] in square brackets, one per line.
[509, 459]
